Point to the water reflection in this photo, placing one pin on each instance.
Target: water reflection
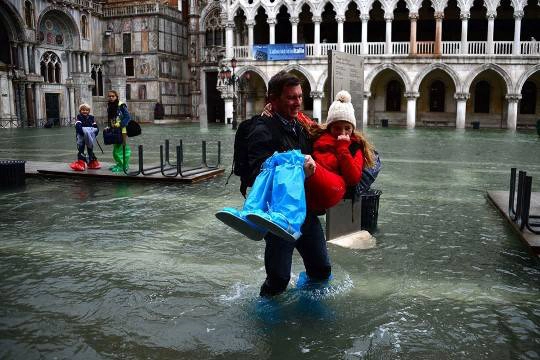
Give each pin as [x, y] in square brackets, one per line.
[94, 269]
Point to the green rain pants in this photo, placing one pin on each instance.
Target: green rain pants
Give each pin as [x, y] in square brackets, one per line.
[118, 157]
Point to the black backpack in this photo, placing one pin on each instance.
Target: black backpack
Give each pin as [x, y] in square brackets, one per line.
[240, 165]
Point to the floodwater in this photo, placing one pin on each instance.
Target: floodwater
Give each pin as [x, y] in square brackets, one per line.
[108, 270]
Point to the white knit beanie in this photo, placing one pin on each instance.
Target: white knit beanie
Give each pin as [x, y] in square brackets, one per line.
[341, 109]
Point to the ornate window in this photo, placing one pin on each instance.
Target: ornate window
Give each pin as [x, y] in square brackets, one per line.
[215, 35]
[84, 26]
[528, 98]
[29, 14]
[51, 68]
[393, 96]
[97, 76]
[482, 93]
[436, 96]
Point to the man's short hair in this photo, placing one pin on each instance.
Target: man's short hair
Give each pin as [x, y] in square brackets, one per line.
[279, 81]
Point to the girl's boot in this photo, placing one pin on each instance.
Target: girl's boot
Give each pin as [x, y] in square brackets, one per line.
[257, 199]
[287, 209]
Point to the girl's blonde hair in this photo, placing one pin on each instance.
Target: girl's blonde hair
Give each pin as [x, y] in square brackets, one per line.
[84, 106]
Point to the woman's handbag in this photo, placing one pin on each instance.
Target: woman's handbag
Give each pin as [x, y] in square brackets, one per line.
[112, 136]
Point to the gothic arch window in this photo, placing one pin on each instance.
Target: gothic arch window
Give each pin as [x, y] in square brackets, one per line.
[436, 96]
[97, 76]
[84, 26]
[528, 98]
[29, 14]
[51, 68]
[393, 96]
[215, 35]
[482, 93]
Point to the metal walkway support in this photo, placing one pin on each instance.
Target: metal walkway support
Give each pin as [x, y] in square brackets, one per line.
[521, 213]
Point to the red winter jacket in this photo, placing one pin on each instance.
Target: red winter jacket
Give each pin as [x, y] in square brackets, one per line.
[336, 169]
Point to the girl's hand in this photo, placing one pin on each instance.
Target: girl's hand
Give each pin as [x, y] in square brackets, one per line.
[267, 111]
[344, 137]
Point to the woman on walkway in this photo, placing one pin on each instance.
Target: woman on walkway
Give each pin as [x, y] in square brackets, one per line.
[118, 117]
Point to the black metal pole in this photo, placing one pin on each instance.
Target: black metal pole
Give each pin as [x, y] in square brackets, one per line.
[234, 122]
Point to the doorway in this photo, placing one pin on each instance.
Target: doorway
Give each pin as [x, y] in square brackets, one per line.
[215, 106]
[52, 109]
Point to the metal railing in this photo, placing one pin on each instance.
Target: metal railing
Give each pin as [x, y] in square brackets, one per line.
[142, 9]
[400, 48]
[519, 204]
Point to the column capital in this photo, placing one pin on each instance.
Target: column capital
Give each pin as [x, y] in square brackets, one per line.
[294, 20]
[250, 23]
[340, 19]
[316, 94]
[465, 15]
[367, 95]
[364, 17]
[271, 21]
[491, 15]
[411, 95]
[463, 96]
[513, 97]
[229, 24]
[316, 19]
[438, 15]
[389, 17]
[518, 14]
[413, 16]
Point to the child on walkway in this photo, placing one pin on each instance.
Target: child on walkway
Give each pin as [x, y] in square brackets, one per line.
[277, 200]
[86, 131]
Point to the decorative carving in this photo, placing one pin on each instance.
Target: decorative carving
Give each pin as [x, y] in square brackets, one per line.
[513, 97]
[317, 94]
[461, 96]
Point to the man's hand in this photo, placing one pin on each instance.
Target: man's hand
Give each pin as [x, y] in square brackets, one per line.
[309, 165]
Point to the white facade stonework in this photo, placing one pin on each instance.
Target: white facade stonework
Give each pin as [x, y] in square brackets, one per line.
[438, 63]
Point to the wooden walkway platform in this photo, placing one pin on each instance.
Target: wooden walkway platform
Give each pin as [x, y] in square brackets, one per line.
[191, 174]
[500, 200]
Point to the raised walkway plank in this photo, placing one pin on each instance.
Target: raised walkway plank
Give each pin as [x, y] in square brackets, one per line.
[500, 200]
[45, 168]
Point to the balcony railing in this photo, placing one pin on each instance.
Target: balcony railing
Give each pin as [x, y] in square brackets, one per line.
[142, 9]
[449, 48]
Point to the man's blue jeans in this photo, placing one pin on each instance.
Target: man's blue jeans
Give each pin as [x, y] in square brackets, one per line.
[278, 257]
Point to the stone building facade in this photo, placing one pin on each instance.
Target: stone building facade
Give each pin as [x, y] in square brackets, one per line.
[58, 54]
[426, 63]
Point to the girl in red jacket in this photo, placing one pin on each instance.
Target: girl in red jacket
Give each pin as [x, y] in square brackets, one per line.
[340, 154]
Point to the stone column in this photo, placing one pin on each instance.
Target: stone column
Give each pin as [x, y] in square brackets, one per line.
[30, 105]
[83, 55]
[464, 27]
[229, 41]
[411, 109]
[511, 121]
[37, 102]
[228, 99]
[272, 25]
[317, 35]
[25, 58]
[250, 24]
[11, 97]
[340, 19]
[516, 48]
[72, 106]
[388, 19]
[412, 42]
[294, 25]
[365, 109]
[79, 67]
[491, 24]
[461, 109]
[365, 19]
[317, 109]
[4, 97]
[438, 32]
[250, 105]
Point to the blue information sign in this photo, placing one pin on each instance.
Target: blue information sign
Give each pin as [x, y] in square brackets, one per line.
[279, 52]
